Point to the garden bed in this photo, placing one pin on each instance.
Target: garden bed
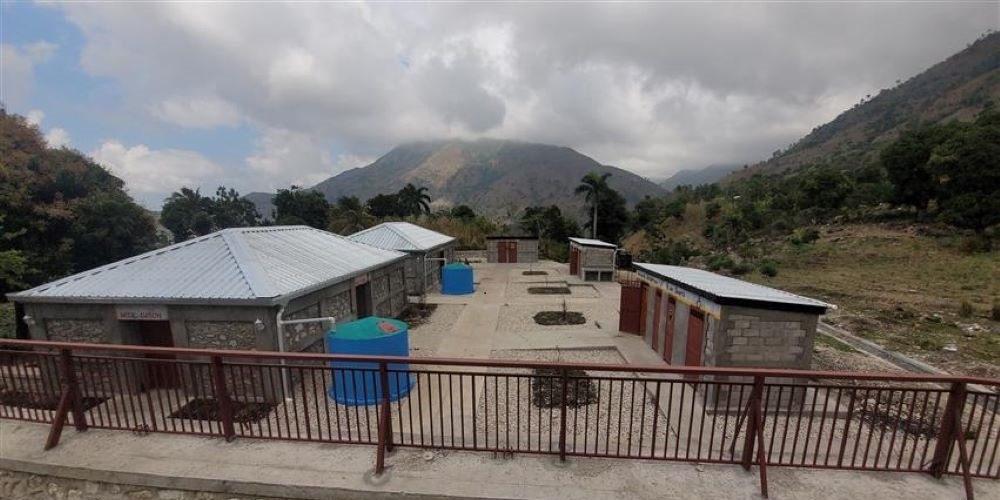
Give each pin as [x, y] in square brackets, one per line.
[418, 314]
[208, 409]
[552, 318]
[40, 402]
[549, 290]
[535, 273]
[546, 388]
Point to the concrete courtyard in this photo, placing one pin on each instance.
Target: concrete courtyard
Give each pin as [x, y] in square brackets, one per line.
[495, 322]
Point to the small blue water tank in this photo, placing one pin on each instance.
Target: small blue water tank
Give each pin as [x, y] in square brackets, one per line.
[356, 383]
[456, 279]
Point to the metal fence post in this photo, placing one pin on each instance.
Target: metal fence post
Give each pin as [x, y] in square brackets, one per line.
[562, 414]
[952, 433]
[384, 421]
[222, 398]
[69, 378]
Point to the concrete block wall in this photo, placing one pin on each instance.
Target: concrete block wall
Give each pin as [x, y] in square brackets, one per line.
[765, 338]
[527, 250]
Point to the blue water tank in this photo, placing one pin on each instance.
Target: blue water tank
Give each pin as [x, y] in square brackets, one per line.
[357, 383]
[456, 279]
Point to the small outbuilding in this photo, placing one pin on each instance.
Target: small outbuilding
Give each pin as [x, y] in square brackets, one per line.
[428, 250]
[232, 289]
[511, 249]
[699, 318]
[592, 260]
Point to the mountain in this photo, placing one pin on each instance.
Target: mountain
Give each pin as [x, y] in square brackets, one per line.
[698, 177]
[494, 177]
[955, 89]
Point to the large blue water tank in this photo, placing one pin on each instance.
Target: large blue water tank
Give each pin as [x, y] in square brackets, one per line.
[357, 383]
[456, 279]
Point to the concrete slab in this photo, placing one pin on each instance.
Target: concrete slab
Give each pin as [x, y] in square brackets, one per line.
[322, 471]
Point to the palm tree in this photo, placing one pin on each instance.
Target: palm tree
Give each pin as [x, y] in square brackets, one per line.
[594, 185]
[349, 216]
[414, 200]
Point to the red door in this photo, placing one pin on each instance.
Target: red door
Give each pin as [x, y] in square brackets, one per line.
[643, 308]
[654, 336]
[512, 252]
[695, 338]
[668, 349]
[630, 306]
[574, 261]
[502, 252]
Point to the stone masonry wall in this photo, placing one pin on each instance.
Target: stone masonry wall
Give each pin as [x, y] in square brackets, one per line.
[295, 335]
[91, 331]
[221, 335]
[598, 258]
[23, 486]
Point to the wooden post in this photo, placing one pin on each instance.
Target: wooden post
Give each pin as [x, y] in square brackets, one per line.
[222, 398]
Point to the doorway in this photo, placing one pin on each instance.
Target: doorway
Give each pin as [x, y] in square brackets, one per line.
[363, 299]
[507, 252]
[668, 347]
[654, 335]
[161, 370]
[574, 261]
[695, 338]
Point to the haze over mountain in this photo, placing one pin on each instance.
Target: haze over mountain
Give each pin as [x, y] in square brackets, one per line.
[495, 177]
[955, 89]
[696, 177]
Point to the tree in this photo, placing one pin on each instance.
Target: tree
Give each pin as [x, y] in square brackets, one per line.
[48, 201]
[229, 209]
[967, 166]
[349, 216]
[414, 200]
[905, 162]
[463, 212]
[301, 206]
[187, 214]
[594, 186]
[384, 205]
[615, 218]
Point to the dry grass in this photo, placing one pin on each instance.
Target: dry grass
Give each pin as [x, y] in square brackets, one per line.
[889, 282]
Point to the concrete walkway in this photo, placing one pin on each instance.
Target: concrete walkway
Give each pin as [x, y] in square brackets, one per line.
[323, 471]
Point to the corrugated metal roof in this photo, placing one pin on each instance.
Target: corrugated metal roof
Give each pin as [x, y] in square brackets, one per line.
[587, 242]
[401, 236]
[726, 290]
[257, 264]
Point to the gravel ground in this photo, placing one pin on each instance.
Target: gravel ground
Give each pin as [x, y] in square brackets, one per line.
[599, 427]
[425, 338]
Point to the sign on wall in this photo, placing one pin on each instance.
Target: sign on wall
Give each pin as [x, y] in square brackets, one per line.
[141, 313]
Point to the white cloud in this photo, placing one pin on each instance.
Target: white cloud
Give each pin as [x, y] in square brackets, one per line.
[57, 138]
[650, 87]
[152, 174]
[202, 112]
[17, 70]
[34, 117]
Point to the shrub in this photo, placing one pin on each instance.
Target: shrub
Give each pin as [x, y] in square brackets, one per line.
[805, 236]
[740, 269]
[995, 310]
[769, 269]
[965, 309]
[719, 261]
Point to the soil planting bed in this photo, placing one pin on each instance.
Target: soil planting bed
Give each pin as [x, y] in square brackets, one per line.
[208, 409]
[40, 402]
[551, 318]
[418, 314]
[546, 389]
[549, 290]
[535, 273]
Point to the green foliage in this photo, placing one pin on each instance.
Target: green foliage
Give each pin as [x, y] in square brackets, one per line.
[673, 252]
[414, 200]
[905, 162]
[548, 223]
[463, 212]
[804, 236]
[8, 326]
[967, 168]
[608, 217]
[385, 205]
[349, 216]
[187, 214]
[61, 211]
[300, 206]
[720, 261]
[768, 268]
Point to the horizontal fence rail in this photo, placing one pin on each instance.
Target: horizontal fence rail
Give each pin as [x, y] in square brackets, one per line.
[855, 421]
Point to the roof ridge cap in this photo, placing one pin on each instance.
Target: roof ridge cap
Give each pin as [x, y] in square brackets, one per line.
[246, 261]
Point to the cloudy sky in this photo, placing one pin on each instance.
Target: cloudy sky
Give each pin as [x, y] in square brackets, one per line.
[259, 96]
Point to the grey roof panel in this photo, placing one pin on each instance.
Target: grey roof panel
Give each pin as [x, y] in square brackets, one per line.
[724, 289]
[402, 236]
[239, 264]
[587, 242]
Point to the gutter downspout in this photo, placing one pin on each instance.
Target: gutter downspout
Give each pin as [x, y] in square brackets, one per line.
[280, 326]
